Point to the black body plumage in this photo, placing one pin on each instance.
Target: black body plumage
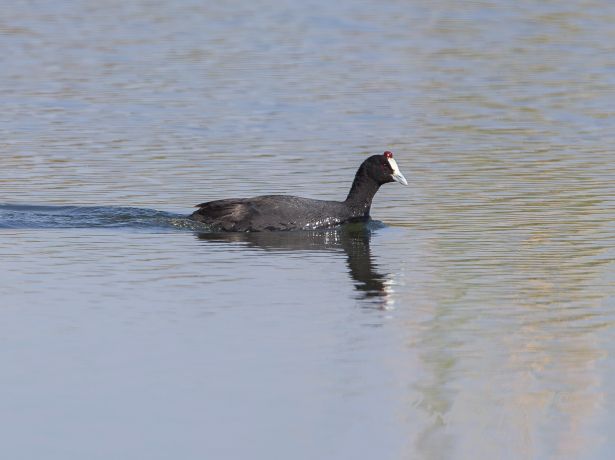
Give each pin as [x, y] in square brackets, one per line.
[286, 212]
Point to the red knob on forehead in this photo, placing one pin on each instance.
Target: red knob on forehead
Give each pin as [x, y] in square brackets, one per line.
[388, 154]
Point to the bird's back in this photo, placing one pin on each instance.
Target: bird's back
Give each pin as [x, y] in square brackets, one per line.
[271, 212]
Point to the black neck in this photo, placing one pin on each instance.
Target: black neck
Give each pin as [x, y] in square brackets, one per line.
[361, 193]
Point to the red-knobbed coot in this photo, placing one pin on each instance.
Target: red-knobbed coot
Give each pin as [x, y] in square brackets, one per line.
[285, 212]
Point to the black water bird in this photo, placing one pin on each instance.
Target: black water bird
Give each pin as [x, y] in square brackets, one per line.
[286, 212]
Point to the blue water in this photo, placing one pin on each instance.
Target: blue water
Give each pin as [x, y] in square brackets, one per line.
[473, 319]
[57, 217]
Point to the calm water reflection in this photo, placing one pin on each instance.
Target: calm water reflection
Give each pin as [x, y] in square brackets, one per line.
[353, 242]
[478, 323]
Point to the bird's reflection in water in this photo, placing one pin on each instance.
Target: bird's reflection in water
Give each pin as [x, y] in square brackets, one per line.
[353, 240]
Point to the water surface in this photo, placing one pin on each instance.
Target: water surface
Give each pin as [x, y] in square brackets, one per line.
[475, 322]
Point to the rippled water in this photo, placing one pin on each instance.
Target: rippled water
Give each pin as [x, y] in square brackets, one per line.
[475, 322]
